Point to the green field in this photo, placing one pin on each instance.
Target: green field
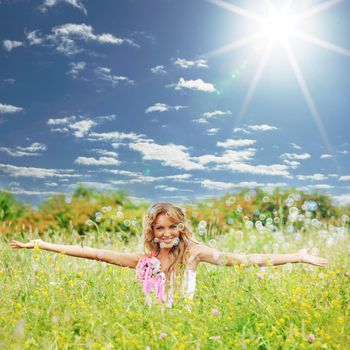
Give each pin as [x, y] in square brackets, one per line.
[52, 301]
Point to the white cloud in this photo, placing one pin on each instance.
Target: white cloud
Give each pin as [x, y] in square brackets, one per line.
[50, 3]
[78, 128]
[61, 121]
[344, 178]
[18, 171]
[82, 127]
[99, 161]
[179, 177]
[255, 127]
[23, 151]
[99, 186]
[183, 63]
[295, 146]
[170, 155]
[228, 157]
[208, 115]
[64, 37]
[76, 68]
[158, 69]
[241, 130]
[261, 127]
[197, 84]
[35, 38]
[292, 163]
[115, 136]
[9, 45]
[10, 81]
[106, 153]
[270, 170]
[7, 109]
[231, 143]
[219, 185]
[212, 131]
[320, 187]
[162, 107]
[314, 177]
[104, 73]
[342, 199]
[108, 117]
[326, 155]
[295, 156]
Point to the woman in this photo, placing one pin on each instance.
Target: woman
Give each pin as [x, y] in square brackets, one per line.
[171, 255]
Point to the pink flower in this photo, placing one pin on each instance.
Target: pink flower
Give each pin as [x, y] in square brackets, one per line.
[260, 275]
[162, 335]
[311, 337]
[148, 348]
[215, 312]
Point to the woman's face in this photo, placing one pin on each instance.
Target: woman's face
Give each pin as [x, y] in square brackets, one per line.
[166, 230]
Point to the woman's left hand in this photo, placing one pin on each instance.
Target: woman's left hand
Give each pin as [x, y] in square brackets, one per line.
[305, 257]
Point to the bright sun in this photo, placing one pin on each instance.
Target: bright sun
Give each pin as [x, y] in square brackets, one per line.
[279, 25]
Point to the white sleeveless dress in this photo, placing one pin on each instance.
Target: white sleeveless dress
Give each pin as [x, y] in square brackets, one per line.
[187, 288]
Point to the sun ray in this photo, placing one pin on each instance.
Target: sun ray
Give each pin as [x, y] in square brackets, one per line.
[255, 81]
[287, 6]
[316, 9]
[269, 5]
[235, 44]
[322, 43]
[238, 10]
[307, 95]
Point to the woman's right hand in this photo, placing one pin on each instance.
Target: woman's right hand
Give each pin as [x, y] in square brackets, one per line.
[31, 244]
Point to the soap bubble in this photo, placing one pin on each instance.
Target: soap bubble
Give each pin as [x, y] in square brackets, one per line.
[266, 199]
[202, 224]
[249, 224]
[258, 224]
[180, 226]
[293, 211]
[212, 242]
[312, 205]
[315, 222]
[344, 218]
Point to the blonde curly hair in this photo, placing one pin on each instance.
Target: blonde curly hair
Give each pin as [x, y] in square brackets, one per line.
[179, 254]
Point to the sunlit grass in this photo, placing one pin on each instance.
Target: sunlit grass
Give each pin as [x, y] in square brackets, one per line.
[52, 301]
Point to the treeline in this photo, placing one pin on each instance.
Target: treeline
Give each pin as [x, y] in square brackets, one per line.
[117, 214]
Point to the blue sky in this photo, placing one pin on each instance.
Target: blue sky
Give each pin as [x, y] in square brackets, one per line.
[174, 100]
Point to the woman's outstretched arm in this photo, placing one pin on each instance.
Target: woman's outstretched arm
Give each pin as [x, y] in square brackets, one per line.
[213, 256]
[108, 256]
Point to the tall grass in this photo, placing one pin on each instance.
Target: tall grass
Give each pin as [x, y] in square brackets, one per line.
[52, 301]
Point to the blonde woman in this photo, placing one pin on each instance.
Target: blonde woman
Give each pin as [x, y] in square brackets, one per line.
[171, 256]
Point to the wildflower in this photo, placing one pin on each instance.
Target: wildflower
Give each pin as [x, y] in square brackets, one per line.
[162, 335]
[311, 338]
[215, 337]
[260, 275]
[148, 348]
[214, 312]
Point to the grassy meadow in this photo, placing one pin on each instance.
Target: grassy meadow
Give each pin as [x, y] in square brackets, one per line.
[53, 301]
